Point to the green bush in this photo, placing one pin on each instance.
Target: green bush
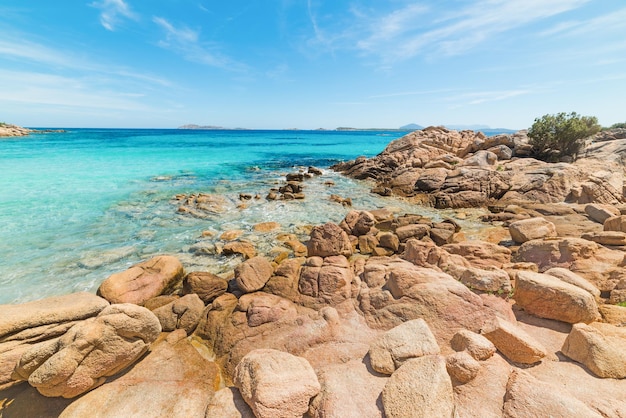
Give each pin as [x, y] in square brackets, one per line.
[618, 125]
[562, 135]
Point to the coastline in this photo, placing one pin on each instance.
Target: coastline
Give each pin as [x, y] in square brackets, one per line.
[337, 295]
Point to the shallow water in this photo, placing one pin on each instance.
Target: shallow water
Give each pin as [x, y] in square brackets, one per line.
[78, 206]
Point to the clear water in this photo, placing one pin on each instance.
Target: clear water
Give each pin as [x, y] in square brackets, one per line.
[78, 206]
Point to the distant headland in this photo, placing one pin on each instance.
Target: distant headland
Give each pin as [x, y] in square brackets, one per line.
[8, 130]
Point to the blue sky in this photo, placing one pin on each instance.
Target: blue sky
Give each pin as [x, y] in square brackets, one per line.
[310, 63]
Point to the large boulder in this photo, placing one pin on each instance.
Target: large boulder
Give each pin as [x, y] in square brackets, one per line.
[600, 347]
[546, 296]
[527, 396]
[143, 281]
[183, 313]
[421, 387]
[327, 280]
[513, 342]
[29, 323]
[329, 239]
[532, 228]
[252, 274]
[207, 286]
[408, 340]
[572, 278]
[90, 351]
[276, 384]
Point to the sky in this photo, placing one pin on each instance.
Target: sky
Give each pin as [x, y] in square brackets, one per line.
[308, 64]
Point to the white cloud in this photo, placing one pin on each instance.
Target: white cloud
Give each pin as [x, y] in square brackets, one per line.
[186, 42]
[426, 28]
[113, 12]
[476, 98]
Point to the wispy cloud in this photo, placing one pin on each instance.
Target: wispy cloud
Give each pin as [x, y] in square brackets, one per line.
[481, 97]
[425, 28]
[186, 42]
[113, 12]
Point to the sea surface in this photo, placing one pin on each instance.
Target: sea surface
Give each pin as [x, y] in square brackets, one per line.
[78, 206]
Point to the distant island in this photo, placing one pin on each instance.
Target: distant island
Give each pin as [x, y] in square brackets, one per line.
[409, 127]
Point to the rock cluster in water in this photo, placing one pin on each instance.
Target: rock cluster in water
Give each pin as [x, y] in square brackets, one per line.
[378, 315]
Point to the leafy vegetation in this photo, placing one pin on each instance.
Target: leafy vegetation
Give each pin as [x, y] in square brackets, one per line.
[554, 137]
[618, 125]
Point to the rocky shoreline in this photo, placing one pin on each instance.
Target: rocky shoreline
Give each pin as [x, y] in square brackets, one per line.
[8, 130]
[381, 314]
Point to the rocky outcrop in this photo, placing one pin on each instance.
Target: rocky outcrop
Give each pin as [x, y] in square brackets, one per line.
[252, 274]
[183, 313]
[7, 130]
[90, 351]
[450, 169]
[143, 281]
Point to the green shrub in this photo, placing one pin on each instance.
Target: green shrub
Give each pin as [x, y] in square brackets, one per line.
[618, 125]
[562, 135]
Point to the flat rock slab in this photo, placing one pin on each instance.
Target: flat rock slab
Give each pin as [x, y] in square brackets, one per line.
[513, 342]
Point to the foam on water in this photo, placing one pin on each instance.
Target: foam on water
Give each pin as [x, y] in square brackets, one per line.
[78, 206]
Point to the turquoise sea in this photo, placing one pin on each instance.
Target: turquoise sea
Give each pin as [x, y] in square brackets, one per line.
[80, 205]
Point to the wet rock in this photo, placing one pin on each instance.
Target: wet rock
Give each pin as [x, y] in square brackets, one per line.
[252, 274]
[408, 340]
[276, 384]
[183, 313]
[421, 387]
[532, 228]
[143, 281]
[244, 248]
[231, 235]
[207, 286]
[90, 351]
[513, 342]
[600, 347]
[548, 297]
